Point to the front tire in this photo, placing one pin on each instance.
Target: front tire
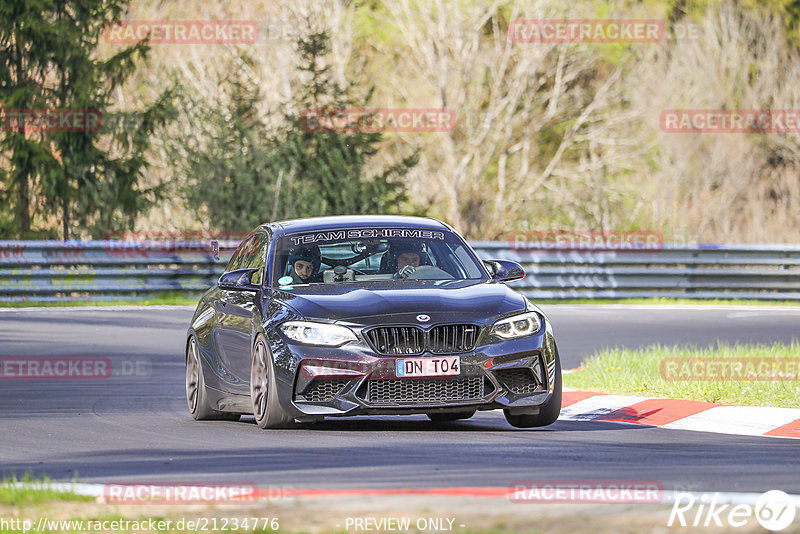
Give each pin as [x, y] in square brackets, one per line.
[263, 389]
[196, 394]
[548, 412]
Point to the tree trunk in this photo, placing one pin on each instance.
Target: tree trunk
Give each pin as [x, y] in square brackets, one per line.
[23, 191]
[23, 202]
[65, 221]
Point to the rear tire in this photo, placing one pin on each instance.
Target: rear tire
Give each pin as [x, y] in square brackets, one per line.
[447, 417]
[263, 389]
[196, 394]
[548, 412]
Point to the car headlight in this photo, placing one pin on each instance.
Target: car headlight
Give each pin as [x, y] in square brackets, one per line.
[524, 324]
[308, 333]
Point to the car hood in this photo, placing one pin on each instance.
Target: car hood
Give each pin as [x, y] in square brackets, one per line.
[443, 301]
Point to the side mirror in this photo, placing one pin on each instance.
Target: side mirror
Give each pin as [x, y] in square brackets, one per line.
[504, 270]
[239, 280]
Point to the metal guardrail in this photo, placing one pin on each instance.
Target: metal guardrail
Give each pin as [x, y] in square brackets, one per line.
[762, 272]
[120, 270]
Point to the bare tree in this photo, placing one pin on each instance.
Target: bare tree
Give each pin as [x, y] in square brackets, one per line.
[547, 135]
[526, 112]
[726, 187]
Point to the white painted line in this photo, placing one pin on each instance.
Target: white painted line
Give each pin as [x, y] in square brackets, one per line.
[741, 420]
[597, 406]
[669, 495]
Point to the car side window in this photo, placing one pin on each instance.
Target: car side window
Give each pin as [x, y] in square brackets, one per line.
[238, 257]
[255, 257]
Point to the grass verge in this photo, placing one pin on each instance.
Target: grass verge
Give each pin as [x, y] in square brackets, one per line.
[170, 298]
[639, 372]
[28, 490]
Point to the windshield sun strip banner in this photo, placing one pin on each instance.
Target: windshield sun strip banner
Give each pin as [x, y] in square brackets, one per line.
[333, 236]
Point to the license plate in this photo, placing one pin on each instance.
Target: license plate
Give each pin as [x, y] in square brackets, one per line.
[441, 366]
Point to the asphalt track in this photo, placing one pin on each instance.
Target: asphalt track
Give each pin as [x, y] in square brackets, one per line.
[135, 427]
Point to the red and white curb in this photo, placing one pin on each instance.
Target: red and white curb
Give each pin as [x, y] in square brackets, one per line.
[681, 414]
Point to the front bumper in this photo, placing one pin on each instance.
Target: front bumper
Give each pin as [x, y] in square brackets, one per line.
[353, 380]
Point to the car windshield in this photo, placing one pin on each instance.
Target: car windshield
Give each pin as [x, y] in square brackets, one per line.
[373, 254]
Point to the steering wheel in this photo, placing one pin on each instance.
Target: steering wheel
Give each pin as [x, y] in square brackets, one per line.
[429, 272]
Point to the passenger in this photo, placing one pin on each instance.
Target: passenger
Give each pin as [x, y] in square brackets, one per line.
[305, 264]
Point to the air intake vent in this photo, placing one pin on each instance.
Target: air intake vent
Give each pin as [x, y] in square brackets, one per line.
[412, 340]
[520, 381]
[321, 390]
[397, 340]
[424, 390]
[452, 338]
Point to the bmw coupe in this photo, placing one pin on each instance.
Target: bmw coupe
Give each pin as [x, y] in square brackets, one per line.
[358, 315]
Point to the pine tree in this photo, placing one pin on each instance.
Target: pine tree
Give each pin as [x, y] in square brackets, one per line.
[227, 161]
[25, 56]
[89, 176]
[239, 174]
[330, 166]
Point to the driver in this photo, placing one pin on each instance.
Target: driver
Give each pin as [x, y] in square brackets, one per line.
[406, 256]
[305, 262]
[407, 263]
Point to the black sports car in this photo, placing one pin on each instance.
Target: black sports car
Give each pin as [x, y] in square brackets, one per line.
[342, 316]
